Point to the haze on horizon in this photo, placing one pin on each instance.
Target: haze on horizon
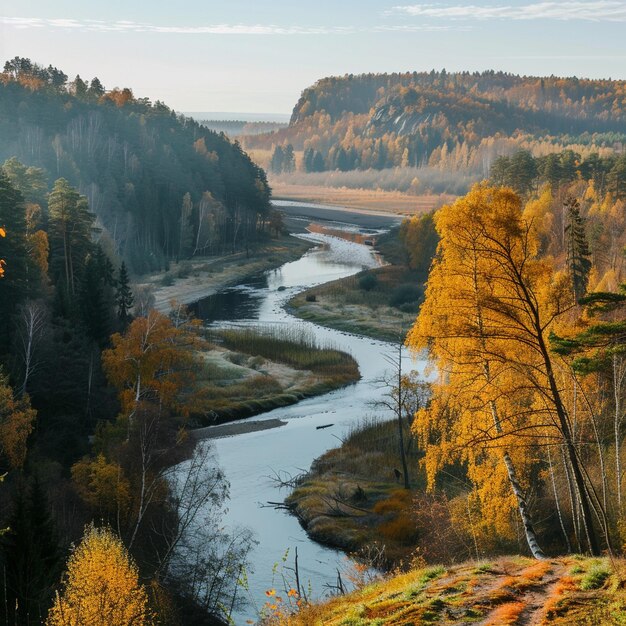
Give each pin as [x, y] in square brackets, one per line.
[257, 56]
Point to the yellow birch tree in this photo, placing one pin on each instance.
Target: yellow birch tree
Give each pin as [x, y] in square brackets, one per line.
[490, 305]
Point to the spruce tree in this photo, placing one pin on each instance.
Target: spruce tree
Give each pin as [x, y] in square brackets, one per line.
[14, 284]
[578, 253]
[124, 297]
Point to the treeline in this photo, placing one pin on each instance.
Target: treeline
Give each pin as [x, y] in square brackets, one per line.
[525, 173]
[161, 185]
[450, 120]
[234, 128]
[95, 389]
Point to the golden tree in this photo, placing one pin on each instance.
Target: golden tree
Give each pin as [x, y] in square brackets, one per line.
[146, 363]
[101, 586]
[490, 305]
[17, 419]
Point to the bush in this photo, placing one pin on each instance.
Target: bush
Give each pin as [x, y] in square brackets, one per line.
[368, 282]
[405, 294]
[167, 280]
[595, 578]
[184, 269]
[311, 297]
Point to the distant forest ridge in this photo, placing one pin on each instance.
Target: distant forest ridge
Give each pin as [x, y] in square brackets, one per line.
[162, 185]
[235, 128]
[458, 122]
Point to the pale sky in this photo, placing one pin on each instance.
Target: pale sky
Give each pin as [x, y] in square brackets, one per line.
[258, 55]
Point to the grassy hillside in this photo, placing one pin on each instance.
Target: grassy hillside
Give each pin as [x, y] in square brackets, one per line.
[508, 590]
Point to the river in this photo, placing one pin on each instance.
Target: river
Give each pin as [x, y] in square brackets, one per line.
[249, 460]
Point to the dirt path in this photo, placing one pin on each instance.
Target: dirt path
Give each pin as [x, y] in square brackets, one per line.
[537, 598]
[522, 599]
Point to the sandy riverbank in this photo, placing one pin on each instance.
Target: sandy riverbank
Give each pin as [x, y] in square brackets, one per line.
[235, 428]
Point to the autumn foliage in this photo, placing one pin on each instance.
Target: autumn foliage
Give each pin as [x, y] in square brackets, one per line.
[17, 420]
[101, 586]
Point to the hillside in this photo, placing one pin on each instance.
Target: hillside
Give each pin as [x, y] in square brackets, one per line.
[161, 185]
[508, 590]
[457, 122]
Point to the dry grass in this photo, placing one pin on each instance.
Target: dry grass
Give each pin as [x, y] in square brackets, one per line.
[345, 305]
[506, 614]
[374, 200]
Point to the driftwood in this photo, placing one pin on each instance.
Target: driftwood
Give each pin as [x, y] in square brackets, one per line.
[324, 426]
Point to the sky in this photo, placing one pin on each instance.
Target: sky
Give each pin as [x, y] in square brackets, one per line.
[258, 55]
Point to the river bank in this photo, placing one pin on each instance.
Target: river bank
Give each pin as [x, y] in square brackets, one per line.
[380, 302]
[244, 372]
[192, 280]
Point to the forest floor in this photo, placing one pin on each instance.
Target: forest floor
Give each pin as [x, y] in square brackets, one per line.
[496, 592]
[190, 281]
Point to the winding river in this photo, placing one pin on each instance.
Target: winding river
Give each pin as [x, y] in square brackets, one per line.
[249, 460]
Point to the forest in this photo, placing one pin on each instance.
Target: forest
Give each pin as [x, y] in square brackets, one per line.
[161, 186]
[457, 123]
[96, 386]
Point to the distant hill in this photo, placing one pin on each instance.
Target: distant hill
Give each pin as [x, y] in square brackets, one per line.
[162, 185]
[226, 116]
[452, 121]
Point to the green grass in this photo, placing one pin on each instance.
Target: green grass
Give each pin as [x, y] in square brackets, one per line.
[595, 577]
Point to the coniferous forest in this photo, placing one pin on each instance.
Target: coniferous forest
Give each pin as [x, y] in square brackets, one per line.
[161, 185]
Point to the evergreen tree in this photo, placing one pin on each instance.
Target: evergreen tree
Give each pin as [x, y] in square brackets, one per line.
[318, 162]
[185, 241]
[96, 89]
[277, 161]
[616, 178]
[97, 298]
[124, 297]
[578, 253]
[31, 558]
[307, 160]
[13, 286]
[71, 226]
[289, 159]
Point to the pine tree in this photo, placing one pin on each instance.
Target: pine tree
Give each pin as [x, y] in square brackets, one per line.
[276, 164]
[13, 287]
[124, 297]
[578, 253]
[71, 226]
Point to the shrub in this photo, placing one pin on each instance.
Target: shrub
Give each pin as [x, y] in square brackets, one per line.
[184, 269]
[405, 294]
[595, 577]
[167, 280]
[311, 297]
[368, 282]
